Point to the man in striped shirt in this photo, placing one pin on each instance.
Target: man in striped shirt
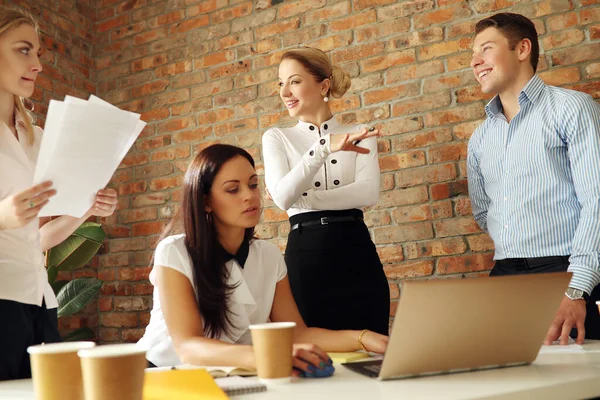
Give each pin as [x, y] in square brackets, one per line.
[534, 171]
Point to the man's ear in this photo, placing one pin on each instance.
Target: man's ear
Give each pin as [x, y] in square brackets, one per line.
[524, 49]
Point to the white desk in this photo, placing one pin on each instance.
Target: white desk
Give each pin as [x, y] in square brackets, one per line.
[559, 376]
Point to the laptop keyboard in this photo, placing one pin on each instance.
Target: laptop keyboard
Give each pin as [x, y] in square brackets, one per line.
[368, 368]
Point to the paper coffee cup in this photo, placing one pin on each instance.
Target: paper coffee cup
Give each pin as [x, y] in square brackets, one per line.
[273, 346]
[56, 370]
[113, 372]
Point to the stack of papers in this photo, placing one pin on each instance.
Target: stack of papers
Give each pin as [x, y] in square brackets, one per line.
[84, 142]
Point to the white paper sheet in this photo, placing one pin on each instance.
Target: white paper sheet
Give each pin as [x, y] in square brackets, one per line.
[84, 142]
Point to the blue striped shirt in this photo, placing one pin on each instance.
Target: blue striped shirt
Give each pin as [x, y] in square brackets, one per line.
[534, 183]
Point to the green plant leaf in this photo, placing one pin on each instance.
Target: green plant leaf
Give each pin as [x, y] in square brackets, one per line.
[76, 294]
[52, 273]
[78, 249]
[57, 285]
[84, 333]
[91, 231]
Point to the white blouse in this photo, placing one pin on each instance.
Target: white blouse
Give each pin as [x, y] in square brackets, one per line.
[251, 301]
[23, 276]
[303, 175]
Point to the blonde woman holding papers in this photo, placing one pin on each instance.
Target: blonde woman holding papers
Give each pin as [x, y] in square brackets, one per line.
[322, 172]
[27, 302]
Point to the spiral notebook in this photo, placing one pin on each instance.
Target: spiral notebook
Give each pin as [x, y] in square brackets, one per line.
[234, 385]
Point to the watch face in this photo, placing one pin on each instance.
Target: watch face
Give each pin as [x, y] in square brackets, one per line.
[574, 294]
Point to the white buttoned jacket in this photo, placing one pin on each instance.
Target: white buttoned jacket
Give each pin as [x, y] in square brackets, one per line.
[303, 175]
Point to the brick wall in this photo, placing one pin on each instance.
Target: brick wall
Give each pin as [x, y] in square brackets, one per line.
[206, 71]
[68, 68]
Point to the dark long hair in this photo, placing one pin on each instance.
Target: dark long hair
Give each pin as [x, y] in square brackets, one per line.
[210, 274]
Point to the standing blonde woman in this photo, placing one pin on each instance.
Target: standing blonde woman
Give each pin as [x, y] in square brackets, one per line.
[322, 172]
[27, 302]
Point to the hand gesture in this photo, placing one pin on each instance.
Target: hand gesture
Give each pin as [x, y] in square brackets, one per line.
[20, 209]
[349, 142]
[105, 204]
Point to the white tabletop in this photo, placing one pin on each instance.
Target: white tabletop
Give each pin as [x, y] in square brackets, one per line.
[556, 375]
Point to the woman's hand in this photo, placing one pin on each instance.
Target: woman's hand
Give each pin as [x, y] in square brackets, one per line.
[374, 342]
[310, 360]
[348, 142]
[105, 204]
[20, 209]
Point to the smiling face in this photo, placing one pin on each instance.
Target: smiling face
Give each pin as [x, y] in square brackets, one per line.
[299, 90]
[234, 198]
[19, 60]
[497, 68]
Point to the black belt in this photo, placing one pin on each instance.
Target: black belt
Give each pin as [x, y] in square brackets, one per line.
[326, 221]
[525, 263]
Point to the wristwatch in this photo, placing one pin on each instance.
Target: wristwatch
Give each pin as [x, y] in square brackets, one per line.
[576, 294]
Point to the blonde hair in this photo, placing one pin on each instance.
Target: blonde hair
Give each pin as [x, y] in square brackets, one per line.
[11, 17]
[317, 63]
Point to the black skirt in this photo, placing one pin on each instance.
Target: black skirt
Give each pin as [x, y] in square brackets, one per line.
[335, 273]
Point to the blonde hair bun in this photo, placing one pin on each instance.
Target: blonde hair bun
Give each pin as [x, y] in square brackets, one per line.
[340, 82]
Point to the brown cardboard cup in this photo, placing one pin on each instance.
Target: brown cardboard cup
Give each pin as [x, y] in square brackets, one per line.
[56, 370]
[113, 372]
[273, 346]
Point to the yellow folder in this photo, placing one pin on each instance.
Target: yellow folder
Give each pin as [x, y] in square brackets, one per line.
[347, 357]
[181, 385]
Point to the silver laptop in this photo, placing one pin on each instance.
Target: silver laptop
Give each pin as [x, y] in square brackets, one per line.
[456, 325]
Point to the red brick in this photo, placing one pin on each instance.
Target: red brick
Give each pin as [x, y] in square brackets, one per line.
[447, 190]
[435, 248]
[389, 93]
[147, 228]
[274, 215]
[466, 263]
[377, 217]
[421, 104]
[442, 15]
[353, 21]
[443, 49]
[456, 227]
[427, 174]
[402, 160]
[390, 254]
[463, 206]
[413, 71]
[409, 269]
[404, 9]
[421, 139]
[404, 233]
[454, 115]
[481, 242]
[326, 14]
[576, 55]
[165, 183]
[388, 60]
[413, 213]
[299, 7]
[447, 152]
[119, 320]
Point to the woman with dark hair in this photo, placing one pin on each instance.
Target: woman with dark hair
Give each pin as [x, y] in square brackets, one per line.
[215, 279]
[322, 172]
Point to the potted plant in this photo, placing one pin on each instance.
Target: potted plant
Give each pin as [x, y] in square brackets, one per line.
[76, 251]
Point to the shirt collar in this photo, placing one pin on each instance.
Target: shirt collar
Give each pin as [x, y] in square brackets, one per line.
[325, 127]
[241, 256]
[531, 92]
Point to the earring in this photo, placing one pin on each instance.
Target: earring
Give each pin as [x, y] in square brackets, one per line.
[208, 218]
[325, 99]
